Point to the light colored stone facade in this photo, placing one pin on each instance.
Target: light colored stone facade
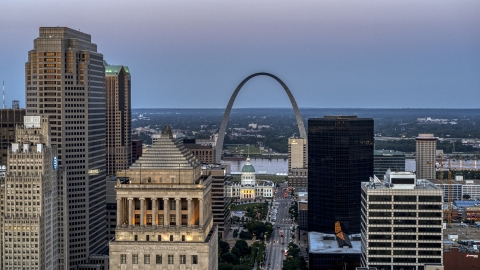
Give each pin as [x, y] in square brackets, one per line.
[164, 212]
[29, 200]
[297, 153]
[249, 187]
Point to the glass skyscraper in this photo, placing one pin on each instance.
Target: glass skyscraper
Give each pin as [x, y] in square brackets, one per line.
[340, 157]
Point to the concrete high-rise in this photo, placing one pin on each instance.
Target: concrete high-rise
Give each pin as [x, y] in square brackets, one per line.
[30, 200]
[9, 118]
[426, 146]
[401, 223]
[65, 82]
[297, 153]
[164, 211]
[119, 118]
[340, 155]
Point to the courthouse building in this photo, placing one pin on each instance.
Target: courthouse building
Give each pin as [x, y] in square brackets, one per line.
[164, 212]
[249, 187]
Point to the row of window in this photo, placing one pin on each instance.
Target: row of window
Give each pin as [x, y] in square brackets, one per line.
[399, 198]
[404, 222]
[158, 259]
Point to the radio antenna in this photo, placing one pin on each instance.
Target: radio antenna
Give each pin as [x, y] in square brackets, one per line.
[3, 87]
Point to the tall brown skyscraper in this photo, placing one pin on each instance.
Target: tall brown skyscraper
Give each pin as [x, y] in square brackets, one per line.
[65, 82]
[119, 118]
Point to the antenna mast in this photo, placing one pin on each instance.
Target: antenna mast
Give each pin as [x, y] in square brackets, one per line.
[3, 87]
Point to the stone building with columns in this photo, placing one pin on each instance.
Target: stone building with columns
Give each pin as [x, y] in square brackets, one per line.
[164, 212]
[249, 187]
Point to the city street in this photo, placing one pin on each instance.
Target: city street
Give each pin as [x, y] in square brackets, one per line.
[274, 255]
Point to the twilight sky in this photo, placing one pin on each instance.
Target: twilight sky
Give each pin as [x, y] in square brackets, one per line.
[193, 54]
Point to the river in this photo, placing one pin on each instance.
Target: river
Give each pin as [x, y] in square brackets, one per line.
[274, 166]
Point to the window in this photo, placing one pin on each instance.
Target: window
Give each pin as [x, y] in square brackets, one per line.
[194, 259]
[405, 198]
[429, 198]
[379, 198]
[183, 259]
[123, 258]
[158, 259]
[146, 259]
[172, 179]
[183, 238]
[148, 237]
[134, 258]
[135, 238]
[379, 244]
[159, 238]
[170, 259]
[171, 237]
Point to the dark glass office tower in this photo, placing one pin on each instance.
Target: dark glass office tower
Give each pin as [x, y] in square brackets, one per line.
[340, 157]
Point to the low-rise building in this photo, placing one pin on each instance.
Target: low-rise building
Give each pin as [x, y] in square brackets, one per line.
[384, 160]
[249, 187]
[333, 251]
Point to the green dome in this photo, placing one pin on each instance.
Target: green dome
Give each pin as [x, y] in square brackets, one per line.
[248, 169]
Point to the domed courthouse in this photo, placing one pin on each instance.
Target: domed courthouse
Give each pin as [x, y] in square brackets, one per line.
[249, 187]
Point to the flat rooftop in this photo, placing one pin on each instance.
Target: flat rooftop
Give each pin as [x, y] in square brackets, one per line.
[319, 243]
[421, 184]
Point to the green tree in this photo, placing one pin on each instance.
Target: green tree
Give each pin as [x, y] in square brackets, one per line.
[242, 247]
[225, 266]
[241, 267]
[229, 258]
[223, 247]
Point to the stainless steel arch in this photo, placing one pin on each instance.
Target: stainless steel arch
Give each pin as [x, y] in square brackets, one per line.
[226, 115]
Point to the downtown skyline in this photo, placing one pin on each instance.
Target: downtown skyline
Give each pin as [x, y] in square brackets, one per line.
[373, 54]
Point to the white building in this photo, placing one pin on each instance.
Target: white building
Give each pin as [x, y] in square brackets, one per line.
[249, 187]
[401, 222]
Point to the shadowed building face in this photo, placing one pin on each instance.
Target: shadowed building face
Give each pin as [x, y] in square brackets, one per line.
[340, 157]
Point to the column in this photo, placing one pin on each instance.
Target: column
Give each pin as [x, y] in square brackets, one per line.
[178, 215]
[130, 212]
[119, 212]
[154, 212]
[189, 210]
[142, 211]
[166, 221]
[200, 219]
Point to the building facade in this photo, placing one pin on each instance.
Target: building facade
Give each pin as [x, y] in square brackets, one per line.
[204, 153]
[9, 118]
[220, 203]
[29, 213]
[402, 221]
[119, 118]
[249, 187]
[298, 178]
[426, 145]
[65, 82]
[340, 154]
[297, 153]
[384, 160]
[136, 149]
[164, 216]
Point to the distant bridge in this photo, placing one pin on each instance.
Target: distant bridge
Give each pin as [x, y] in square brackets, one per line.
[226, 115]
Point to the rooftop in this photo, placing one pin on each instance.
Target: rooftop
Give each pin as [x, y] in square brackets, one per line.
[327, 243]
[388, 153]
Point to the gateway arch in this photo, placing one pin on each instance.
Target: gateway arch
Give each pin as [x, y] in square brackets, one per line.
[226, 115]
